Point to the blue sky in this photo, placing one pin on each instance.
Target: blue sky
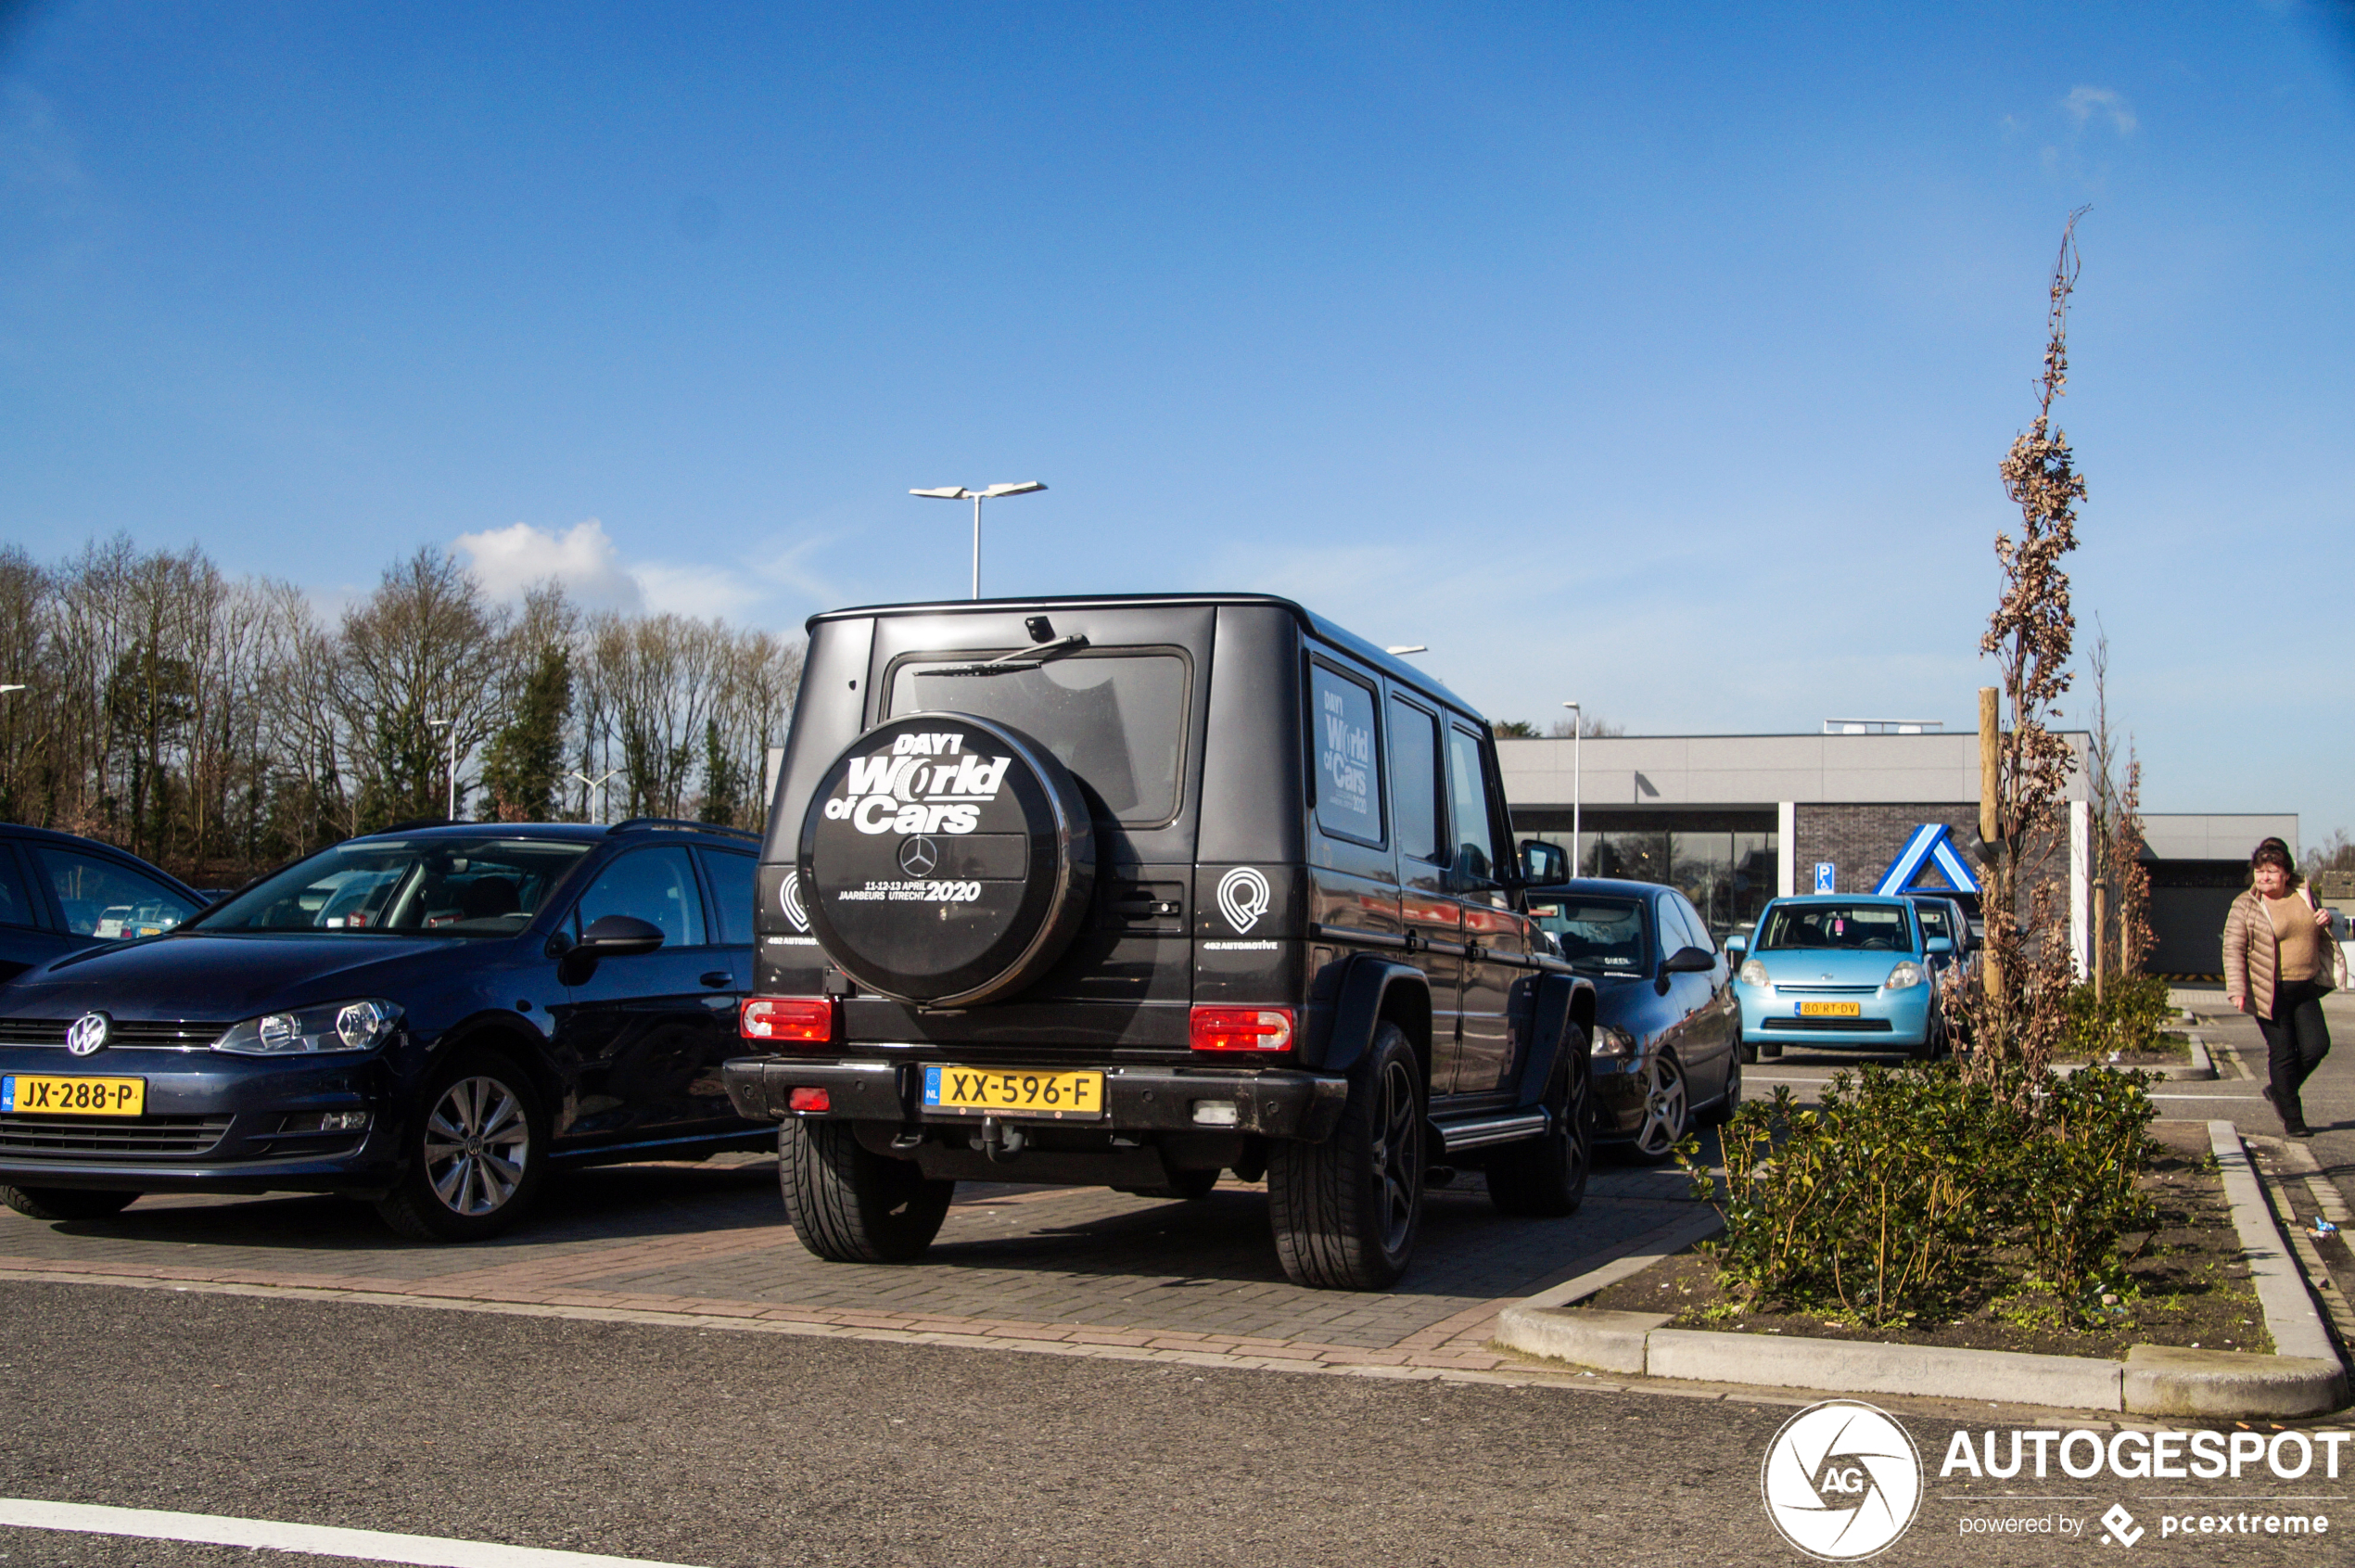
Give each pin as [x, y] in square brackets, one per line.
[1658, 357]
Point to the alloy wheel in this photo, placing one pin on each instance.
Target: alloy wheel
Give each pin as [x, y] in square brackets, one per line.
[1397, 1153]
[1666, 1112]
[477, 1141]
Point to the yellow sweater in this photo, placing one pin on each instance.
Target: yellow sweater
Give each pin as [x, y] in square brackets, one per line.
[2294, 928]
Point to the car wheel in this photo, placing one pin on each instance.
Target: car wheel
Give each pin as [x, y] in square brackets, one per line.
[1345, 1211]
[66, 1202]
[1723, 1111]
[1668, 1111]
[1547, 1178]
[850, 1205]
[477, 1150]
[1933, 1043]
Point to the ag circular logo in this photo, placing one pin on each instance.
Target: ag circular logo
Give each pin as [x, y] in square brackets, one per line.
[1842, 1480]
[88, 1035]
[919, 856]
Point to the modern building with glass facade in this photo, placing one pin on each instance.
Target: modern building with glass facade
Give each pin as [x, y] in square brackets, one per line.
[1734, 820]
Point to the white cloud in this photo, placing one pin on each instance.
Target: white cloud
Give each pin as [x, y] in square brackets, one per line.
[2084, 103]
[506, 561]
[700, 592]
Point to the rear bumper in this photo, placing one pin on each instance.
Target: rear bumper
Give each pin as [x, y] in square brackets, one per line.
[1273, 1102]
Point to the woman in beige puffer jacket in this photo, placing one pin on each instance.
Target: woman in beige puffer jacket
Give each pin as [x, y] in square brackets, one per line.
[2278, 967]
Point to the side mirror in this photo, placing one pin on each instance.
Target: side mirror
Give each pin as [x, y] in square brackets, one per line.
[1542, 862]
[1689, 960]
[619, 936]
[1735, 946]
[1937, 945]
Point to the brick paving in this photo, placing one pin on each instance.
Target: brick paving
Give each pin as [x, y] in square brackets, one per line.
[1068, 1270]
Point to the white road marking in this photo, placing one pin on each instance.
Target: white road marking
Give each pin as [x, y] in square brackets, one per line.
[375, 1546]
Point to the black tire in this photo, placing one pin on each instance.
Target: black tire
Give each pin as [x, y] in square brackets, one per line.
[1933, 1043]
[1547, 1178]
[1746, 1054]
[1668, 1111]
[1192, 1186]
[67, 1203]
[1771, 1051]
[850, 1205]
[475, 1152]
[1723, 1111]
[1345, 1211]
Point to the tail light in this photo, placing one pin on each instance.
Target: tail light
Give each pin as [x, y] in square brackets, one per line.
[801, 1019]
[1241, 1028]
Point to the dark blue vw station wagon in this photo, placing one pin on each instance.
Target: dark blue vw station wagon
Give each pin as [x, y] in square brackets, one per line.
[429, 1018]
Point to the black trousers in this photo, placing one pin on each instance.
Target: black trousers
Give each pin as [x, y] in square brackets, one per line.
[2295, 1042]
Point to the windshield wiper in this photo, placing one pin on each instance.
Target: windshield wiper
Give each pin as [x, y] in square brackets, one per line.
[1021, 658]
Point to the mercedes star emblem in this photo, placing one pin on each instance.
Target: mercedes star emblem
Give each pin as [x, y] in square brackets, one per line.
[88, 1035]
[918, 855]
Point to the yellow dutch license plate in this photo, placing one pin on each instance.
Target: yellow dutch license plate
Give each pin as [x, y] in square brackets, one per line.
[1830, 1010]
[980, 1090]
[27, 1094]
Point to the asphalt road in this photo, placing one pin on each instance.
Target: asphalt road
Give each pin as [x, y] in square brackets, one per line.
[719, 1450]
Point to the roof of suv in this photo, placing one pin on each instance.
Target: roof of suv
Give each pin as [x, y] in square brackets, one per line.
[1388, 663]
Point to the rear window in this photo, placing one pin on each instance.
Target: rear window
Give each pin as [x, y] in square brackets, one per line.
[1605, 934]
[1876, 927]
[1115, 716]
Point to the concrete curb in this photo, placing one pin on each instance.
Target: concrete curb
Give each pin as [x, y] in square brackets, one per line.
[2200, 1067]
[2304, 1379]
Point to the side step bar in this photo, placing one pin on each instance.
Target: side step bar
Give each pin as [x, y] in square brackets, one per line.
[1456, 1137]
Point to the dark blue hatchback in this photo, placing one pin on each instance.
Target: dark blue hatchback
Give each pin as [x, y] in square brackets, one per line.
[428, 1018]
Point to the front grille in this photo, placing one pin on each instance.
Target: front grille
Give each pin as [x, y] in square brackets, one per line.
[97, 1138]
[1781, 989]
[125, 1034]
[1852, 1026]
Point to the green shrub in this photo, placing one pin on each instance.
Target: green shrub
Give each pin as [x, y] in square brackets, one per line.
[1908, 1193]
[2133, 1010]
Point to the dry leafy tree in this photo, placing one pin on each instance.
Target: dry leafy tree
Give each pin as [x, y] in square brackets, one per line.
[2114, 787]
[2020, 1015]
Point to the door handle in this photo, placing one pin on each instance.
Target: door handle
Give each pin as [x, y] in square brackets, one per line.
[717, 977]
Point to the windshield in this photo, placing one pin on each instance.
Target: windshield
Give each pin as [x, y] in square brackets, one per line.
[448, 886]
[1866, 927]
[1116, 719]
[1606, 934]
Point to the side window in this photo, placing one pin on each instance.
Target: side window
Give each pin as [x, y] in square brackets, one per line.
[1685, 926]
[731, 877]
[656, 886]
[1414, 780]
[1348, 765]
[104, 900]
[16, 898]
[1475, 856]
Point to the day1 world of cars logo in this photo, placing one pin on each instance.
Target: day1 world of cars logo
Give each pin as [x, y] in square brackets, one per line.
[1841, 1481]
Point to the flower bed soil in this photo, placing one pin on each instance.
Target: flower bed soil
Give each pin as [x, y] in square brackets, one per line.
[2167, 1050]
[2189, 1284]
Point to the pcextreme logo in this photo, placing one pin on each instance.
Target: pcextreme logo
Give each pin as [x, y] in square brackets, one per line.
[1841, 1481]
[912, 789]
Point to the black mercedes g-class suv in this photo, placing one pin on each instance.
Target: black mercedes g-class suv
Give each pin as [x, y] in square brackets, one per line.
[1133, 890]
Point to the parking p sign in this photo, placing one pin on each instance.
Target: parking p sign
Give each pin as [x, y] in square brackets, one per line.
[1823, 877]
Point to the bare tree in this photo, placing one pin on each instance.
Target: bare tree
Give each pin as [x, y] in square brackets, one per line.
[2021, 1013]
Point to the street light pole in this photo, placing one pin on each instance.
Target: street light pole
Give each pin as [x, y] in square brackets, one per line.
[597, 783]
[958, 492]
[1577, 740]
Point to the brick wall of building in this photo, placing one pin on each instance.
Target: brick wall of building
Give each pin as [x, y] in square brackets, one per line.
[1862, 840]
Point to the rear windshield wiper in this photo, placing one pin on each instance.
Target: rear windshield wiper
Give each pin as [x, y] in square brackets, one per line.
[1021, 658]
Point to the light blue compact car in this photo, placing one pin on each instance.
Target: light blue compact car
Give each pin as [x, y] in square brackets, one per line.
[1841, 970]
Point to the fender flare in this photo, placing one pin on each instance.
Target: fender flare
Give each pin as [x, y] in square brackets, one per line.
[1562, 1000]
[1366, 990]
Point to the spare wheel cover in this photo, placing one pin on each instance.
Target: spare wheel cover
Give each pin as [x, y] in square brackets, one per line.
[946, 860]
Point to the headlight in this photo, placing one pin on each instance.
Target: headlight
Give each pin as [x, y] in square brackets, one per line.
[1753, 972]
[309, 1031]
[1612, 1044]
[1904, 977]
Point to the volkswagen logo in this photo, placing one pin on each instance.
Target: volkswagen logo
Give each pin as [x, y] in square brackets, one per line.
[919, 856]
[88, 1035]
